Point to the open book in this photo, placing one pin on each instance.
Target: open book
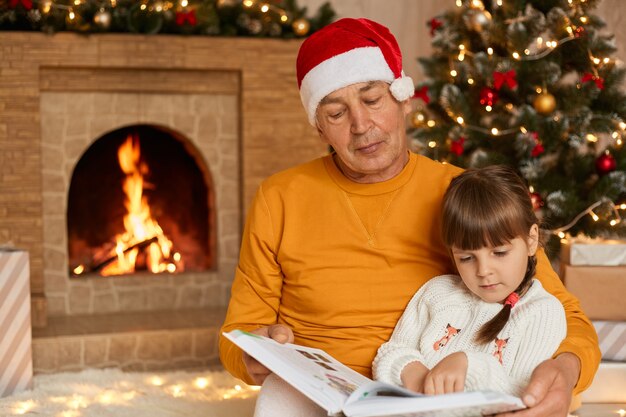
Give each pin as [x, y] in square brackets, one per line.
[339, 389]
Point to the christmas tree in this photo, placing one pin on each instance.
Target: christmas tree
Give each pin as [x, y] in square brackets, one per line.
[531, 84]
[259, 18]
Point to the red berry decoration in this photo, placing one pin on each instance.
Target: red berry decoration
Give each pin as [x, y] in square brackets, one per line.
[488, 97]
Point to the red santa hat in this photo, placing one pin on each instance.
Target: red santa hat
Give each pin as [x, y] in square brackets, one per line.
[346, 52]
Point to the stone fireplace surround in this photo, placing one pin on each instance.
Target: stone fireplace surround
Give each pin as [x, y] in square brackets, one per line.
[234, 99]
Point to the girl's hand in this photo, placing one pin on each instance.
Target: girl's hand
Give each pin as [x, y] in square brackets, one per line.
[447, 376]
[413, 375]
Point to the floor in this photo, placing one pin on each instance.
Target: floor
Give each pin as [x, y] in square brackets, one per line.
[601, 410]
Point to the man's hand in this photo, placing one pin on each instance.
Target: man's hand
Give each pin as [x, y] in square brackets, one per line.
[278, 332]
[549, 392]
[448, 375]
[413, 375]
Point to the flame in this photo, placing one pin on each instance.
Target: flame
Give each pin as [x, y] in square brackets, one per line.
[142, 231]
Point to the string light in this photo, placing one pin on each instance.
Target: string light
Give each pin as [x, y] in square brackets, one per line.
[617, 219]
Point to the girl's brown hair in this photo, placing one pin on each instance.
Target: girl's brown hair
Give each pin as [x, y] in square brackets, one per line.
[489, 207]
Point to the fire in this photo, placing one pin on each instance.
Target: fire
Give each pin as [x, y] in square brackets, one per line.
[142, 235]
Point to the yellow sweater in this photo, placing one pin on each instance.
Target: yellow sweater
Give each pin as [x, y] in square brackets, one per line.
[338, 261]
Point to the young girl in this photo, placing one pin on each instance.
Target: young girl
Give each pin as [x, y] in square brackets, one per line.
[491, 326]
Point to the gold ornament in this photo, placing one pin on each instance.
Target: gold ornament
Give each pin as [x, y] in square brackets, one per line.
[418, 118]
[301, 27]
[544, 103]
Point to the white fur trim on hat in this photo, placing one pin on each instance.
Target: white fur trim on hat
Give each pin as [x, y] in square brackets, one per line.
[402, 88]
[354, 66]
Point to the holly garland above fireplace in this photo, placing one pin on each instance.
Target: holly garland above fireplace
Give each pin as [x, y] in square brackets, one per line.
[256, 18]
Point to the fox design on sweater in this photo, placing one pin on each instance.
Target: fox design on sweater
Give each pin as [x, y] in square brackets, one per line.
[500, 345]
[450, 333]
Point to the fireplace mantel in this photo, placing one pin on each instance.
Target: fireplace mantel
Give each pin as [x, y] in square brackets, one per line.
[273, 131]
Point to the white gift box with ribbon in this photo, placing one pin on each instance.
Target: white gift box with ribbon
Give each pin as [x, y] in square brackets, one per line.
[16, 363]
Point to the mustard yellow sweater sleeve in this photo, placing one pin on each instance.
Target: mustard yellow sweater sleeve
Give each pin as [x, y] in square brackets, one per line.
[581, 339]
[255, 294]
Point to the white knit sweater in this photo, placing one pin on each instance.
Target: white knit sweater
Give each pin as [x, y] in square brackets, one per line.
[444, 306]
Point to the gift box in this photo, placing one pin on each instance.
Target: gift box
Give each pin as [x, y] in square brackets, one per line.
[16, 363]
[612, 339]
[600, 289]
[608, 386]
[593, 252]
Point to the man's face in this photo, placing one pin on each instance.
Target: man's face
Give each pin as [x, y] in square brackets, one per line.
[366, 127]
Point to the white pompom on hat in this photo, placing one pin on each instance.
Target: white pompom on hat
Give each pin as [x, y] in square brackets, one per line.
[347, 52]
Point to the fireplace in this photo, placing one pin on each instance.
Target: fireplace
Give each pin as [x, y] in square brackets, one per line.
[185, 150]
[141, 200]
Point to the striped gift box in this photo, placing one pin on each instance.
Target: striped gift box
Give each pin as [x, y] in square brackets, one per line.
[612, 338]
[16, 363]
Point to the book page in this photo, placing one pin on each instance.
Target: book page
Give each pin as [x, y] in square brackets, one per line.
[378, 399]
[311, 371]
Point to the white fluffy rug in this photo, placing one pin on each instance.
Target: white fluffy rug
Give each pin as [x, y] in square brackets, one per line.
[113, 393]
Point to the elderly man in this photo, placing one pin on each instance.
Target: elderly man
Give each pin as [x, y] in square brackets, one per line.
[334, 249]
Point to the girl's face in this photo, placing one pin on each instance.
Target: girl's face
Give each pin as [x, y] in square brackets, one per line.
[492, 273]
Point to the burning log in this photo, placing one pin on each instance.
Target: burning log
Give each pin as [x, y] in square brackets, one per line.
[139, 245]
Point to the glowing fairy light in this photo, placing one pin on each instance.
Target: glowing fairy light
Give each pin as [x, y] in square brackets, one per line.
[591, 138]
[594, 216]
[157, 381]
[24, 407]
[490, 51]
[460, 120]
[265, 8]
[432, 144]
[470, 81]
[201, 383]
[453, 73]
[431, 123]
[494, 131]
[562, 235]
[516, 55]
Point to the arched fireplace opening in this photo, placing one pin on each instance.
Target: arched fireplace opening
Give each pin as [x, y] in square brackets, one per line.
[141, 200]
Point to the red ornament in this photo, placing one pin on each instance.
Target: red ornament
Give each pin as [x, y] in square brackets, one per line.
[537, 201]
[488, 97]
[590, 77]
[605, 163]
[456, 147]
[501, 78]
[27, 4]
[538, 149]
[423, 94]
[434, 25]
[186, 17]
